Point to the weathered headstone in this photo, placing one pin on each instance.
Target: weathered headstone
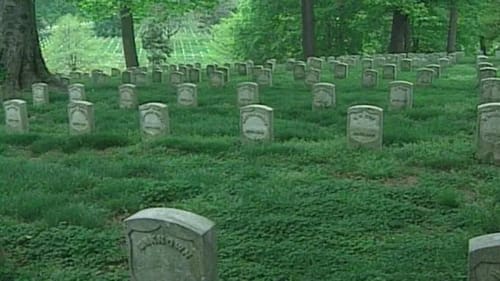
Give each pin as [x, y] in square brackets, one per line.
[490, 90]
[270, 64]
[289, 64]
[183, 69]
[75, 75]
[341, 70]
[488, 132]
[389, 71]
[481, 58]
[323, 96]
[241, 68]
[254, 71]
[225, 71]
[313, 76]
[154, 120]
[127, 76]
[76, 92]
[497, 54]
[406, 65]
[128, 96]
[365, 126]
[370, 78]
[425, 76]
[436, 68]
[194, 75]
[484, 257]
[187, 94]
[265, 77]
[315, 63]
[444, 62]
[400, 95]
[217, 79]
[157, 76]
[379, 61]
[65, 81]
[115, 72]
[81, 117]
[299, 71]
[141, 78]
[16, 116]
[367, 63]
[248, 93]
[40, 93]
[169, 244]
[487, 72]
[173, 67]
[176, 78]
[256, 123]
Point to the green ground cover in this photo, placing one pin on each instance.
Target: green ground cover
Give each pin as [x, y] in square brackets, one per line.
[302, 208]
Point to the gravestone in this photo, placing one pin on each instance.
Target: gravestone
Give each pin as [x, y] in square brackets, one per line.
[341, 70]
[315, 63]
[487, 72]
[143, 69]
[225, 71]
[76, 92]
[194, 75]
[247, 93]
[254, 71]
[189, 65]
[65, 81]
[323, 96]
[299, 71]
[95, 76]
[154, 120]
[157, 76]
[379, 61]
[488, 132]
[366, 63]
[436, 68]
[444, 62]
[289, 64]
[425, 76]
[406, 65]
[187, 94]
[183, 69]
[365, 126]
[481, 58]
[176, 78]
[313, 76]
[173, 67]
[490, 90]
[75, 75]
[217, 79]
[241, 68]
[40, 94]
[389, 72]
[265, 77]
[115, 72]
[141, 78]
[81, 117]
[170, 245]
[370, 78]
[484, 258]
[128, 96]
[270, 64]
[197, 65]
[256, 123]
[330, 59]
[400, 95]
[16, 116]
[127, 76]
[497, 54]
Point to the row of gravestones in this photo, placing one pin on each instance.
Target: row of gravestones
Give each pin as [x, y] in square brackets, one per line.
[165, 244]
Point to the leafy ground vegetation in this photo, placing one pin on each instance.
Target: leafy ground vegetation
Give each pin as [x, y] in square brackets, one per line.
[301, 208]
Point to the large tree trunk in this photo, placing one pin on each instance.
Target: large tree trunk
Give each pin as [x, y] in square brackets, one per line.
[308, 28]
[400, 24]
[128, 38]
[20, 55]
[482, 45]
[452, 28]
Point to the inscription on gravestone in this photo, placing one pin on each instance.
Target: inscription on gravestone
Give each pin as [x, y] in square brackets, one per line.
[81, 117]
[400, 95]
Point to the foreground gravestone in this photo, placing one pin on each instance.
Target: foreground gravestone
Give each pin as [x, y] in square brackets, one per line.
[16, 116]
[425, 77]
[323, 96]
[248, 93]
[488, 132]
[256, 123]
[370, 78]
[166, 244]
[81, 117]
[313, 76]
[187, 94]
[406, 65]
[365, 126]
[484, 258]
[490, 90]
[40, 93]
[400, 95]
[299, 71]
[154, 120]
[341, 70]
[76, 92]
[128, 96]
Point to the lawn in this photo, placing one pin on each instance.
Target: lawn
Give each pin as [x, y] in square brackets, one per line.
[301, 208]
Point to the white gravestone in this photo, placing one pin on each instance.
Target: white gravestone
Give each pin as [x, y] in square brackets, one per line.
[400, 95]
[425, 76]
[370, 78]
[166, 244]
[194, 75]
[488, 132]
[341, 70]
[187, 94]
[16, 116]
[484, 258]
[81, 117]
[289, 64]
[265, 77]
[128, 96]
[323, 96]
[157, 76]
[76, 92]
[248, 93]
[365, 126]
[256, 123]
[154, 120]
[40, 94]
[299, 71]
[226, 72]
[315, 63]
[313, 76]
[490, 90]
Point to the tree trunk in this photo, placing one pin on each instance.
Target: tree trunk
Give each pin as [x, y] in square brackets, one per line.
[482, 45]
[408, 35]
[308, 28]
[452, 28]
[21, 59]
[128, 38]
[399, 29]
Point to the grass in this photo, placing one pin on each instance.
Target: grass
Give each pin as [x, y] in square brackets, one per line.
[301, 208]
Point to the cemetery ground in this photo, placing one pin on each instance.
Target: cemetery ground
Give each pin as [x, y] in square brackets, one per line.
[304, 207]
